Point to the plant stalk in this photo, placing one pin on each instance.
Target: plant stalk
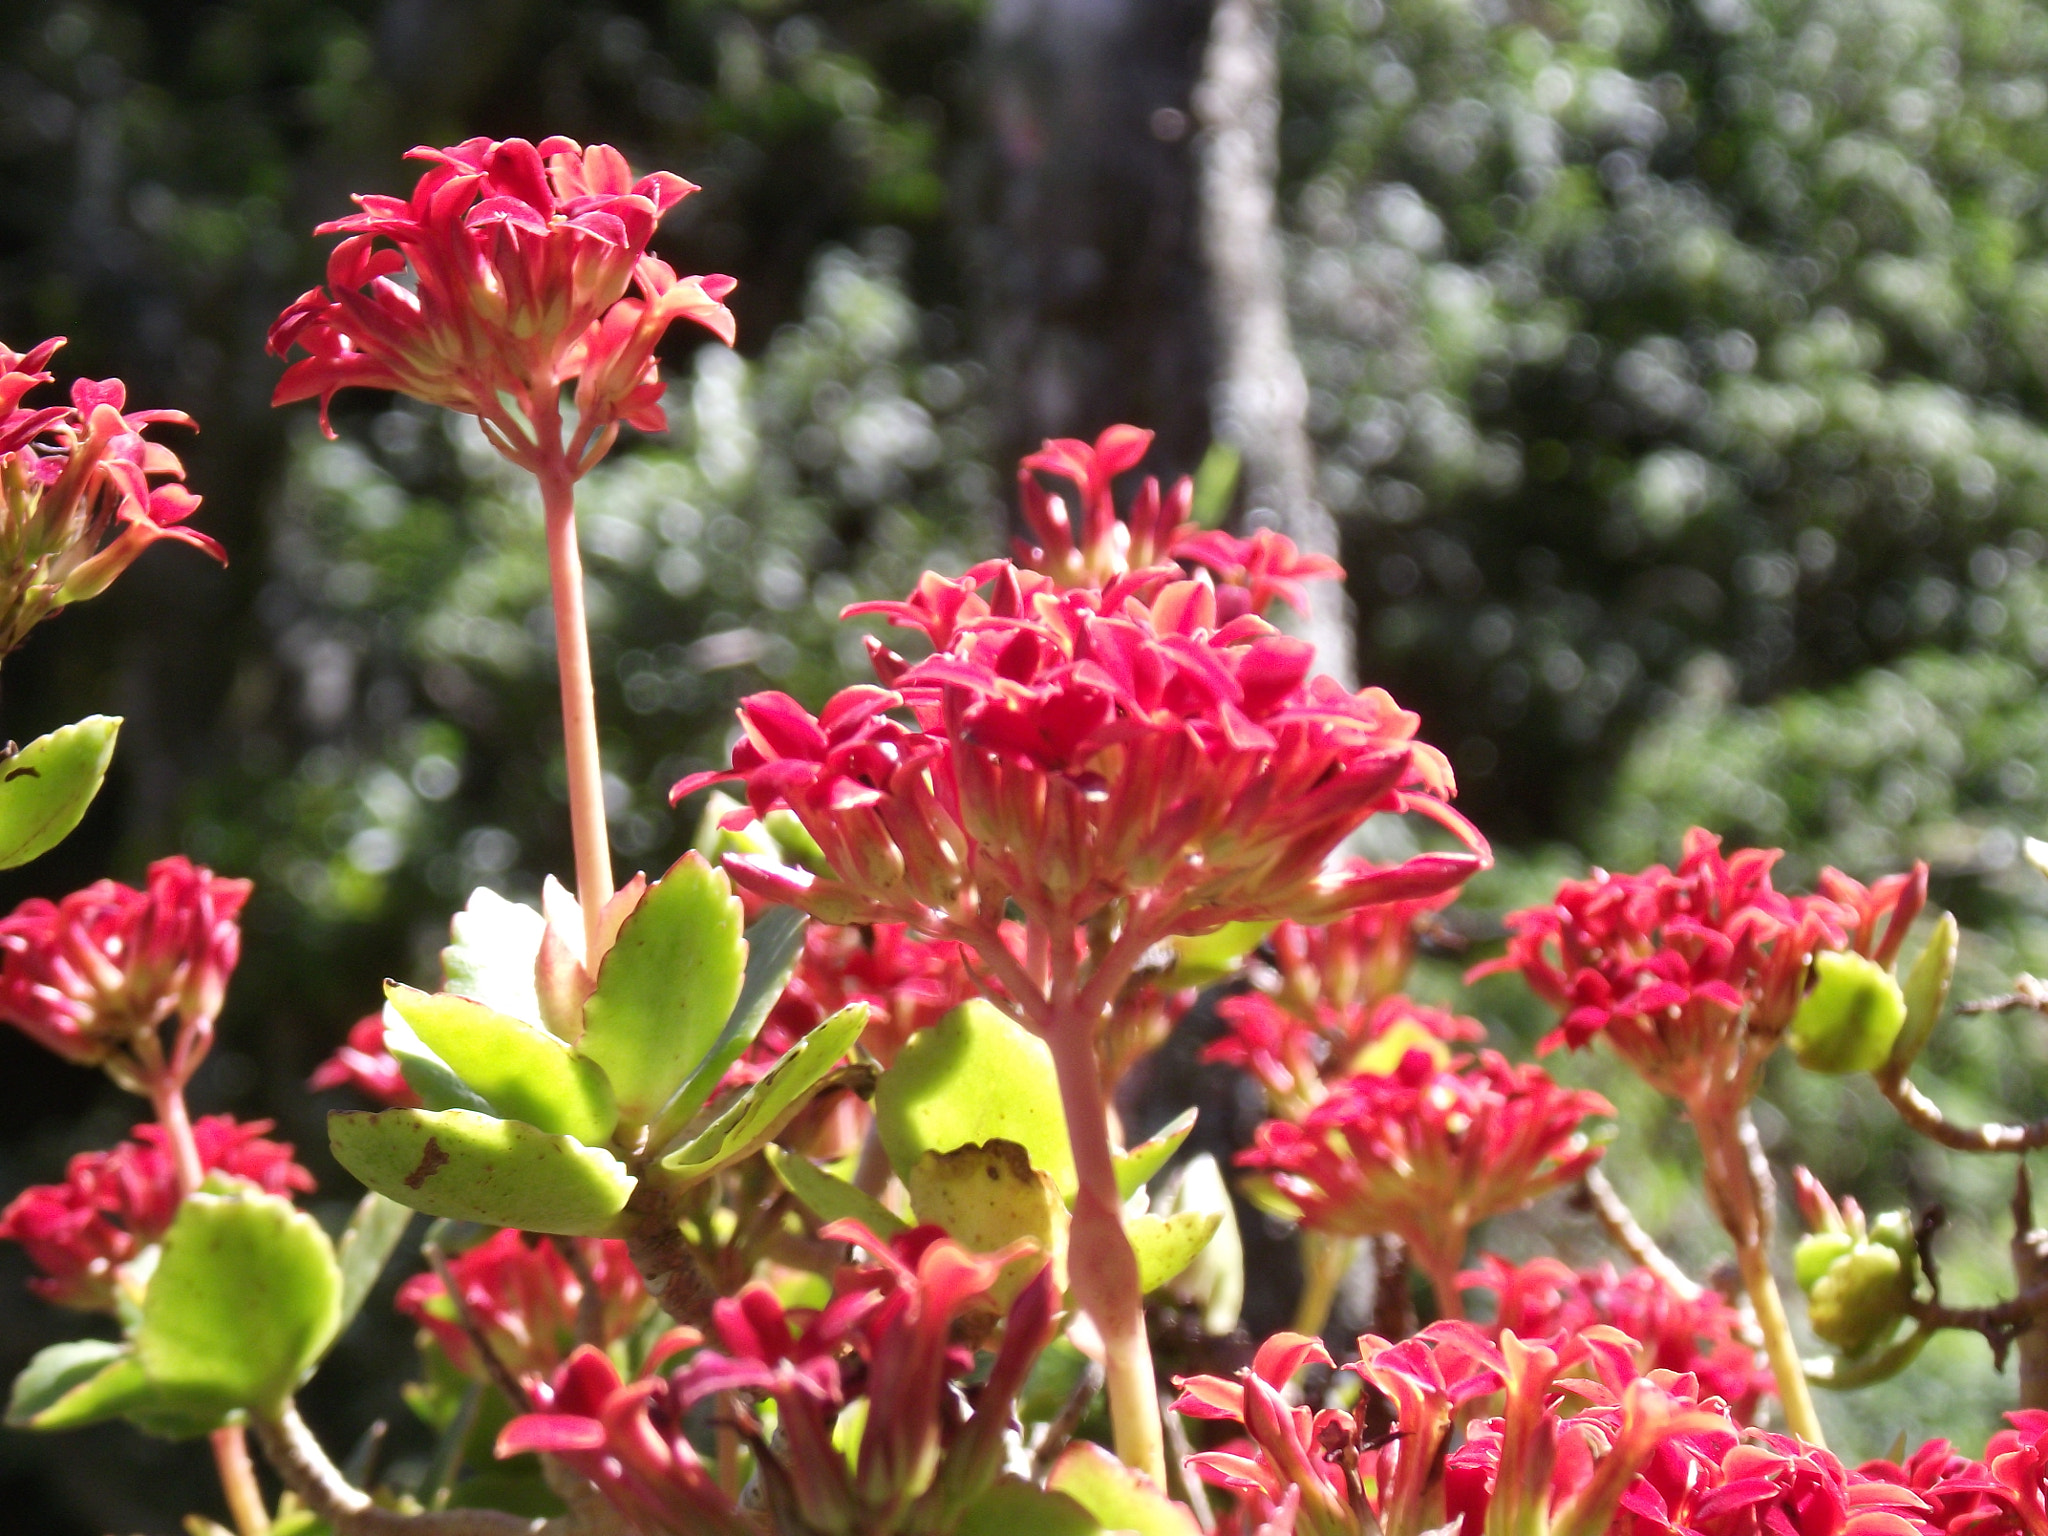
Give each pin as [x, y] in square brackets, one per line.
[1733, 1192]
[587, 822]
[1324, 1262]
[1100, 1265]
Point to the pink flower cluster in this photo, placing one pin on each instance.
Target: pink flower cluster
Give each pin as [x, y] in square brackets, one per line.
[114, 1204]
[1689, 1335]
[1296, 1061]
[892, 1334]
[519, 259]
[1693, 974]
[92, 976]
[1154, 532]
[523, 1295]
[1428, 1152]
[77, 498]
[1586, 1442]
[364, 1063]
[1073, 748]
[907, 982]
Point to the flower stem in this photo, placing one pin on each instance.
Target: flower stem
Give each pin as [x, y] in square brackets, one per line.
[579, 703]
[230, 1445]
[1732, 1190]
[1100, 1265]
[1324, 1261]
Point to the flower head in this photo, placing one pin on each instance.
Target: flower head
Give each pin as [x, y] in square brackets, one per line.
[1696, 1335]
[907, 982]
[82, 492]
[364, 1063]
[1429, 1152]
[518, 261]
[1071, 750]
[523, 1295]
[1296, 1060]
[891, 1335]
[114, 1204]
[92, 976]
[1356, 958]
[1250, 574]
[1694, 974]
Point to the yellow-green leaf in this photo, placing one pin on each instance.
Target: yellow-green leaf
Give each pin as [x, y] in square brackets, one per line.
[521, 1070]
[758, 1115]
[46, 787]
[472, 1167]
[1122, 1498]
[1136, 1167]
[987, 1197]
[1166, 1245]
[830, 1198]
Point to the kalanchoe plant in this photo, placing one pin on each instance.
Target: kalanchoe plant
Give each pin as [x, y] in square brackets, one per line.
[1124, 762]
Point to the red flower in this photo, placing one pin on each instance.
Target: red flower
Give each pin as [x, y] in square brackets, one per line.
[523, 1296]
[1070, 750]
[1696, 1335]
[519, 261]
[114, 1204]
[1357, 957]
[76, 500]
[1250, 573]
[92, 976]
[1295, 1060]
[1694, 975]
[364, 1064]
[1428, 1153]
[1714, 1484]
[889, 1336]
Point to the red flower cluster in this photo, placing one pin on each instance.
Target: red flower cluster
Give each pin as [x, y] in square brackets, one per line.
[1696, 1335]
[889, 1335]
[1251, 574]
[362, 1062]
[76, 500]
[523, 1295]
[1295, 1060]
[1357, 958]
[1070, 749]
[520, 259]
[92, 976]
[1429, 1152]
[2005, 1494]
[907, 982]
[1694, 974]
[114, 1204]
[1587, 1444]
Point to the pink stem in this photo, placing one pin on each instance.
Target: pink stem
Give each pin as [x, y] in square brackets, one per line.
[579, 703]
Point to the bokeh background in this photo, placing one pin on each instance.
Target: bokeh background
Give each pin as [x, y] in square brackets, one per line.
[1678, 373]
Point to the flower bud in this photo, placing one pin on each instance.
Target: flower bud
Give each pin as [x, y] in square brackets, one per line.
[1858, 1284]
[1849, 1019]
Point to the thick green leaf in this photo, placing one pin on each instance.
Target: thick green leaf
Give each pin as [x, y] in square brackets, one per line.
[1926, 992]
[830, 1198]
[1136, 1167]
[758, 1115]
[1121, 1497]
[976, 1076]
[57, 1373]
[490, 955]
[988, 1197]
[1851, 1016]
[774, 945]
[476, 1168]
[667, 987]
[243, 1302]
[1166, 1245]
[46, 787]
[425, 1073]
[1203, 959]
[1014, 1507]
[522, 1071]
[1214, 1283]
[366, 1246]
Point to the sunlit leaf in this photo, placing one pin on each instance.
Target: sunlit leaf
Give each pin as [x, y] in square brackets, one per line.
[46, 787]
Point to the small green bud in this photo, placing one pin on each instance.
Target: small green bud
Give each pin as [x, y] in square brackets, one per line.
[1815, 1255]
[1850, 1018]
[1857, 1287]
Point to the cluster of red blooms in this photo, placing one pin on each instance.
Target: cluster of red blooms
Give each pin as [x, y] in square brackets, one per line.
[114, 1204]
[1697, 1334]
[362, 1062]
[92, 976]
[907, 982]
[76, 500]
[1694, 974]
[1429, 1151]
[1586, 1443]
[1072, 747]
[1296, 1061]
[891, 1335]
[523, 1296]
[520, 258]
